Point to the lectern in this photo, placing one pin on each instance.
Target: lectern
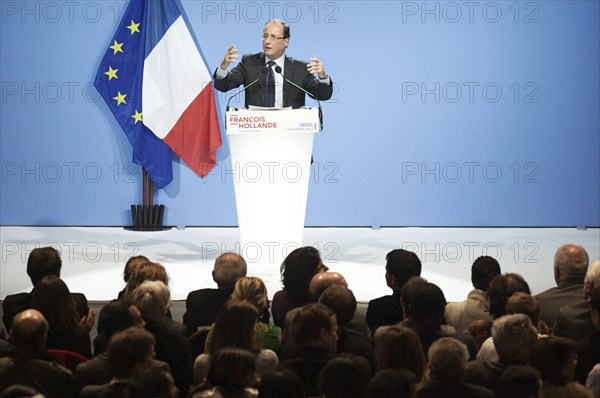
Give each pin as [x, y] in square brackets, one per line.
[271, 154]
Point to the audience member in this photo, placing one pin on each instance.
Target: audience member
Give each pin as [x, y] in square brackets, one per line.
[203, 305]
[556, 358]
[461, 314]
[41, 262]
[27, 363]
[570, 266]
[280, 382]
[401, 265]
[447, 361]
[574, 320]
[297, 270]
[154, 382]
[588, 348]
[21, 391]
[519, 381]
[52, 298]
[513, 337]
[593, 381]
[345, 376]
[130, 266]
[231, 375]
[400, 348]
[153, 299]
[393, 383]
[114, 317]
[500, 290]
[315, 329]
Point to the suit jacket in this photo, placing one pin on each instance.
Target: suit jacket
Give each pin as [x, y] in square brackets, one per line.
[552, 299]
[436, 388]
[384, 311]
[15, 303]
[574, 321]
[202, 307]
[250, 68]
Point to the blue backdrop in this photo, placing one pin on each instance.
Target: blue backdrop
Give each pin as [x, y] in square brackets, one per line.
[444, 113]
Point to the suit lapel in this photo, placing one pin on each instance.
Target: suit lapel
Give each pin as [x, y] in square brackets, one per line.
[289, 74]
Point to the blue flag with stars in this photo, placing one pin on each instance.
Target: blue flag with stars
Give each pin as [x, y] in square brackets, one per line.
[119, 82]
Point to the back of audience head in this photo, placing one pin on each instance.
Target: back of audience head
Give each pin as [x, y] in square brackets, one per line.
[235, 326]
[232, 367]
[43, 261]
[407, 291]
[519, 381]
[132, 264]
[483, 271]
[595, 306]
[252, 290]
[321, 281]
[400, 266]
[570, 263]
[427, 305]
[280, 382]
[501, 288]
[297, 270]
[228, 268]
[393, 383]
[30, 329]
[315, 325]
[447, 359]
[513, 337]
[118, 315]
[52, 298]
[400, 348]
[146, 272]
[153, 382]
[345, 376]
[21, 391]
[555, 358]
[130, 351]
[592, 279]
[152, 299]
[342, 302]
[523, 303]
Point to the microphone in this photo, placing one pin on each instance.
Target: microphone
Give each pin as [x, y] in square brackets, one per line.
[280, 71]
[263, 72]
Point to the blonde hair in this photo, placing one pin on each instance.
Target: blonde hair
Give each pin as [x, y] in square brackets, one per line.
[252, 290]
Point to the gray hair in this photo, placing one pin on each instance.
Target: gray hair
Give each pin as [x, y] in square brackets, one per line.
[153, 299]
[447, 359]
[229, 267]
[572, 262]
[592, 279]
[512, 333]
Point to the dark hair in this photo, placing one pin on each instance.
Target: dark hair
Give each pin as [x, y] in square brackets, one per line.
[280, 382]
[523, 303]
[52, 298]
[232, 367]
[342, 302]
[345, 376]
[518, 381]
[501, 288]
[43, 261]
[234, 327]
[153, 382]
[400, 348]
[308, 322]
[427, 304]
[550, 355]
[297, 270]
[407, 291]
[286, 27]
[483, 270]
[114, 317]
[128, 348]
[393, 383]
[403, 265]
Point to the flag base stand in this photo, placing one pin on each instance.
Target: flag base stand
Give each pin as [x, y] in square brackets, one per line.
[147, 218]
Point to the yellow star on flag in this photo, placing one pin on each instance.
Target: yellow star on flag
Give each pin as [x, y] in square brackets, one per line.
[134, 27]
[111, 73]
[137, 116]
[117, 48]
[120, 98]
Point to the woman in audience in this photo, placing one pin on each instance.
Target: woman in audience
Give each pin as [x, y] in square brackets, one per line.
[297, 270]
[400, 348]
[131, 265]
[52, 298]
[231, 375]
[146, 271]
[556, 359]
[235, 326]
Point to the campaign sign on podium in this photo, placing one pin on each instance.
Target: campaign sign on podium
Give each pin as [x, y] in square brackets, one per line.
[271, 154]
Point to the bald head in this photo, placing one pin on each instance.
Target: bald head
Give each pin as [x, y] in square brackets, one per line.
[570, 264]
[29, 328]
[322, 281]
[229, 267]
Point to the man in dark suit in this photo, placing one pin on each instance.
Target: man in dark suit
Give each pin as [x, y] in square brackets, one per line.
[276, 38]
[42, 261]
[570, 266]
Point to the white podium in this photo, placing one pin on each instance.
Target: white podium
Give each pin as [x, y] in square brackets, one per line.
[271, 155]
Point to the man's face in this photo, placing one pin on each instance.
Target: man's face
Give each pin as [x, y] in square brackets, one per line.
[274, 44]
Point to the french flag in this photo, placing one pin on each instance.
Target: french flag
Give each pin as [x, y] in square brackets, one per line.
[177, 92]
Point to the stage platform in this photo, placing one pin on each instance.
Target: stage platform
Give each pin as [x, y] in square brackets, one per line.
[93, 257]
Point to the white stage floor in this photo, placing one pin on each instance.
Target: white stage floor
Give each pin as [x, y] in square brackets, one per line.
[93, 258]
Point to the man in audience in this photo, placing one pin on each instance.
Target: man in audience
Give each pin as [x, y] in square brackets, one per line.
[41, 262]
[519, 381]
[570, 266]
[588, 348]
[202, 305]
[500, 290]
[129, 352]
[461, 314]
[513, 337]
[315, 329]
[447, 361]
[27, 363]
[401, 265]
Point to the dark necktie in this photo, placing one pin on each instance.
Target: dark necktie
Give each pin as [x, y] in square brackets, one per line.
[269, 93]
